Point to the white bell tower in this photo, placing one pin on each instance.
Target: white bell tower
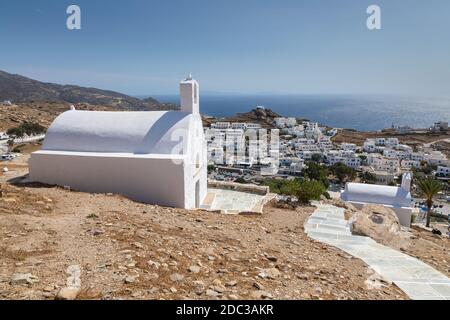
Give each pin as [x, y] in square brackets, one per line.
[189, 95]
[406, 181]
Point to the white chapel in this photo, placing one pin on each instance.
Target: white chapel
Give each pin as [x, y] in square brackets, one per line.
[156, 157]
[396, 198]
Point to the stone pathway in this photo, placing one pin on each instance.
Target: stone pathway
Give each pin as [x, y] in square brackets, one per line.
[233, 202]
[417, 279]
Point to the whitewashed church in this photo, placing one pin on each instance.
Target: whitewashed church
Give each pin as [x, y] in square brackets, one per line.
[396, 198]
[156, 157]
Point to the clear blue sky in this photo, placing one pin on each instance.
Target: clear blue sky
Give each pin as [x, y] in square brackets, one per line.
[242, 46]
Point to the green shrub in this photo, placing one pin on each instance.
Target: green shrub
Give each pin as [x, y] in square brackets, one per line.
[368, 177]
[342, 172]
[303, 190]
[315, 171]
[28, 128]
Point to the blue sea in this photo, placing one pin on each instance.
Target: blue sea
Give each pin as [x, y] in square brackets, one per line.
[360, 112]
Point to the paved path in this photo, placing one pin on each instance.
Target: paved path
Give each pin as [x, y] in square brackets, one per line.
[417, 279]
[230, 201]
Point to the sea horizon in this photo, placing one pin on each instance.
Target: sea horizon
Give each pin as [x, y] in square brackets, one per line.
[362, 112]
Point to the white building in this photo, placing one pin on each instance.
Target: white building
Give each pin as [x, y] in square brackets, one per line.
[348, 146]
[239, 126]
[370, 145]
[392, 142]
[443, 171]
[380, 141]
[253, 126]
[437, 158]
[390, 153]
[404, 130]
[409, 164]
[395, 198]
[417, 156]
[220, 125]
[440, 126]
[156, 157]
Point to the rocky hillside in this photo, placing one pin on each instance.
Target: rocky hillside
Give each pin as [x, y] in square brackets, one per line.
[21, 89]
[264, 117]
[129, 250]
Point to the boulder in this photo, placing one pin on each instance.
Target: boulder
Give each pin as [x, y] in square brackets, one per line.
[350, 209]
[68, 293]
[381, 224]
[23, 278]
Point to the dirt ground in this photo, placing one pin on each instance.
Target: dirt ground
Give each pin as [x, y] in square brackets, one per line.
[129, 250]
[431, 249]
[412, 139]
[443, 146]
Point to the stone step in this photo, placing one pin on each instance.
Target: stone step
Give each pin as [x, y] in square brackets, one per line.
[324, 227]
[333, 222]
[417, 279]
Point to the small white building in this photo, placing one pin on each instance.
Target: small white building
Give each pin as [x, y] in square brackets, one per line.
[220, 125]
[239, 126]
[440, 126]
[370, 145]
[156, 157]
[443, 171]
[253, 126]
[404, 129]
[395, 198]
[409, 164]
[392, 142]
[348, 146]
[380, 141]
[437, 158]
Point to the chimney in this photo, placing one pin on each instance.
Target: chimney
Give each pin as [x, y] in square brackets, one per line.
[189, 95]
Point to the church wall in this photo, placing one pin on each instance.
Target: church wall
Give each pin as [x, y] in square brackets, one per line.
[148, 180]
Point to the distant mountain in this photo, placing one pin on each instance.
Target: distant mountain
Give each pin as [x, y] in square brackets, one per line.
[22, 89]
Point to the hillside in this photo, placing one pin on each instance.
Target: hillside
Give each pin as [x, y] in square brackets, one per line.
[21, 89]
[130, 250]
[412, 139]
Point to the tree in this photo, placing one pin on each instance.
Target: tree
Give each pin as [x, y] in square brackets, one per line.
[308, 190]
[316, 157]
[240, 180]
[303, 190]
[429, 188]
[342, 172]
[315, 171]
[29, 128]
[211, 168]
[368, 177]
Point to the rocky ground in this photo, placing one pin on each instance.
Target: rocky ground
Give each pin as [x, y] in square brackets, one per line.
[128, 250]
[411, 139]
[443, 146]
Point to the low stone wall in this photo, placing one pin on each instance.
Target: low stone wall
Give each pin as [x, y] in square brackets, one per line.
[261, 190]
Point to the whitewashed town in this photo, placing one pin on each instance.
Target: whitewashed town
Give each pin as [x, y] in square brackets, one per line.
[379, 160]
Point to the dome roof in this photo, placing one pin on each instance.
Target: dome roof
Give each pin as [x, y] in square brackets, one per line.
[394, 196]
[146, 132]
